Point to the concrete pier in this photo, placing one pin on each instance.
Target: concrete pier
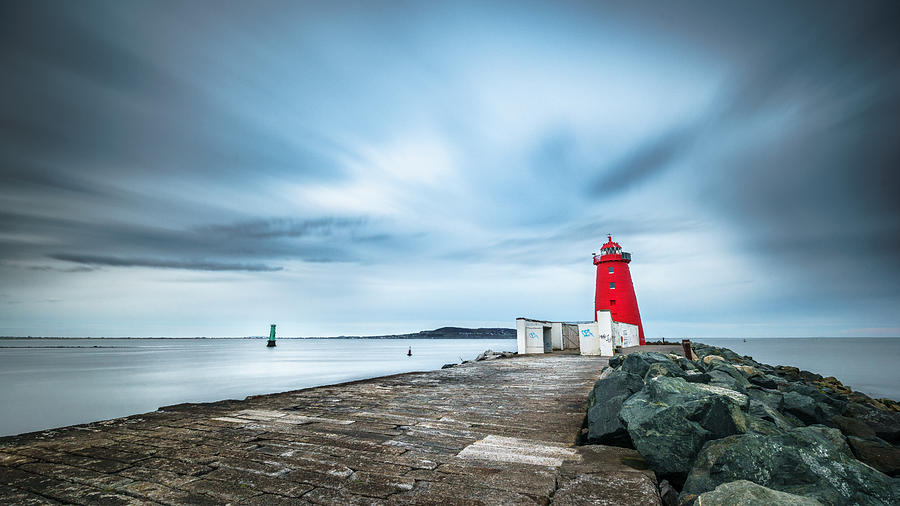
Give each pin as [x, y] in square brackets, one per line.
[492, 432]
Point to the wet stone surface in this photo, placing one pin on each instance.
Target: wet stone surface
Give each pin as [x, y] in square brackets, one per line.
[489, 432]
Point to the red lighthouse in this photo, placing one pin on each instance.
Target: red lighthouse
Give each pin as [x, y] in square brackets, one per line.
[615, 291]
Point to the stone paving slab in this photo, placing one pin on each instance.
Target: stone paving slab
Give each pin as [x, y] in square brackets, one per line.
[494, 432]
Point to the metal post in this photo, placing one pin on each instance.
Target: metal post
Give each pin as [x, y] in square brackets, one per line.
[686, 345]
[271, 343]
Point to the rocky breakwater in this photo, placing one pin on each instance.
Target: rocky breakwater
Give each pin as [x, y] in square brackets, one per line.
[485, 355]
[725, 429]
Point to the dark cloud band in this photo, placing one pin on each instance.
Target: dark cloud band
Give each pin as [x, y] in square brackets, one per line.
[94, 260]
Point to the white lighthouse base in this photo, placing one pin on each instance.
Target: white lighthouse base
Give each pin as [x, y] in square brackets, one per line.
[624, 334]
[596, 338]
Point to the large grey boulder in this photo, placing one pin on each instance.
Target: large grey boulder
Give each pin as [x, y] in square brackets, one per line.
[807, 409]
[494, 355]
[769, 414]
[810, 461]
[639, 363]
[766, 380]
[760, 425]
[667, 368]
[613, 382]
[697, 377]
[774, 402]
[670, 419]
[727, 376]
[877, 453]
[702, 350]
[886, 424]
[604, 403]
[743, 401]
[687, 365]
[833, 403]
[674, 370]
[853, 427]
[616, 361]
[772, 398]
[747, 493]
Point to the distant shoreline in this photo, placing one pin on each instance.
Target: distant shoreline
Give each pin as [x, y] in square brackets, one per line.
[512, 335]
[237, 339]
[32, 338]
[441, 333]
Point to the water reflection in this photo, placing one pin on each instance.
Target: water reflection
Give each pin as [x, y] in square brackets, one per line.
[56, 382]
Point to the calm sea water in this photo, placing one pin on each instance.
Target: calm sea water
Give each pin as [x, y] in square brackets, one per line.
[56, 382]
[50, 383]
[867, 365]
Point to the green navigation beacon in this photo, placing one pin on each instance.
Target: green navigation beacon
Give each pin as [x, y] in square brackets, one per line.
[271, 343]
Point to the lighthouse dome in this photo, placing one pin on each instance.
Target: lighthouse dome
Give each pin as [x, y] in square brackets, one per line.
[611, 251]
[611, 245]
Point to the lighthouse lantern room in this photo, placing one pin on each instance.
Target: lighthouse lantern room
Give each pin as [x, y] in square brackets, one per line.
[615, 290]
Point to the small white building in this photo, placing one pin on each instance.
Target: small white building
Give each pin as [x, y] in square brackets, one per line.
[590, 338]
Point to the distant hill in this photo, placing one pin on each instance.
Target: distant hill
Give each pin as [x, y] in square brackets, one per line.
[448, 333]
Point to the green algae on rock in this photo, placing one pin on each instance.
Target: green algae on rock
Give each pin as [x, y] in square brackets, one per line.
[747, 493]
[670, 419]
[810, 461]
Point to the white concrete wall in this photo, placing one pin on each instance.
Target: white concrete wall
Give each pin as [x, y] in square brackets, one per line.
[604, 326]
[556, 335]
[605, 321]
[596, 338]
[624, 334]
[534, 338]
[628, 334]
[587, 337]
[530, 335]
[520, 335]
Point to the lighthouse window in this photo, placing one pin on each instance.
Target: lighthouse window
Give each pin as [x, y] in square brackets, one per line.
[610, 269]
[612, 302]
[612, 285]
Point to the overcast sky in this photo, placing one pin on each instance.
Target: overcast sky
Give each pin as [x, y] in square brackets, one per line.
[206, 168]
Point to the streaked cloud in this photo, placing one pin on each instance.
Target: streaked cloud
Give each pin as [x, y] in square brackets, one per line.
[354, 168]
